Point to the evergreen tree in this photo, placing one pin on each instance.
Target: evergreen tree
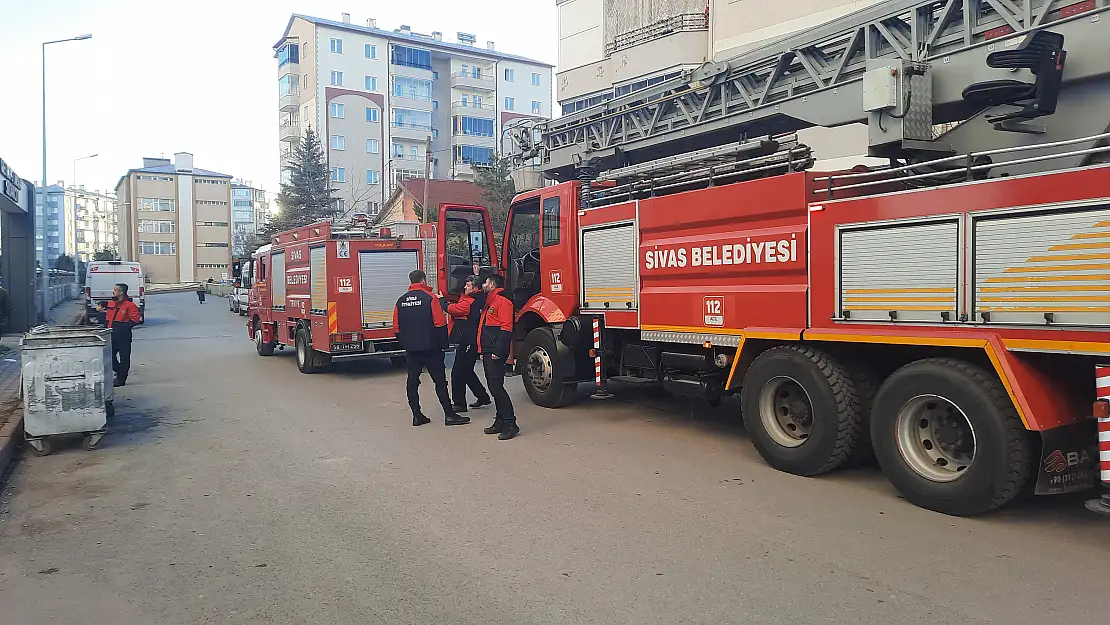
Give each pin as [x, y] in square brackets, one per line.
[308, 196]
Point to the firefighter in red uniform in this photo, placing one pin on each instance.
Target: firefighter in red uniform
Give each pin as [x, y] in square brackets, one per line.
[465, 313]
[421, 326]
[122, 315]
[495, 332]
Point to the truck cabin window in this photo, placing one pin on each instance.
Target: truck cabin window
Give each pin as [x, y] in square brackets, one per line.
[466, 246]
[523, 279]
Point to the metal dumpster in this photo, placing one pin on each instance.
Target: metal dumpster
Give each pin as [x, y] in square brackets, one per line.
[67, 384]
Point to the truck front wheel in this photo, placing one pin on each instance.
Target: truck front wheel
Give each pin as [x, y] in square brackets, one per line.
[801, 410]
[260, 345]
[543, 377]
[948, 437]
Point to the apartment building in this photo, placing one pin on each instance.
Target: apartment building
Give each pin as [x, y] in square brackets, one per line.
[97, 224]
[611, 48]
[377, 97]
[50, 222]
[249, 210]
[175, 219]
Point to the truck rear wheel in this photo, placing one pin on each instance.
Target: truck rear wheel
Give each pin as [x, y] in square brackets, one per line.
[801, 410]
[260, 345]
[543, 378]
[949, 439]
[309, 360]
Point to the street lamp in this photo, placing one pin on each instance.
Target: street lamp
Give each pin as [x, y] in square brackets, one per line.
[42, 255]
[76, 252]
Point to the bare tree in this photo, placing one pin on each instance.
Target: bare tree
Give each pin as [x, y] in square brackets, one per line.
[241, 240]
[356, 195]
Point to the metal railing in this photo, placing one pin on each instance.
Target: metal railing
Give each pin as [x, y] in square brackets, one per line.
[679, 23]
[471, 106]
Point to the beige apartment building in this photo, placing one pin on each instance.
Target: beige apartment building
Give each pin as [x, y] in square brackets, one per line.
[175, 220]
[610, 48]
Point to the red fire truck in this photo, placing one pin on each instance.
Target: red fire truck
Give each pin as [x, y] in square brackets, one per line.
[944, 313]
[328, 289]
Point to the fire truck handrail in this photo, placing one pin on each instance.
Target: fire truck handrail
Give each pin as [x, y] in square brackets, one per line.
[968, 159]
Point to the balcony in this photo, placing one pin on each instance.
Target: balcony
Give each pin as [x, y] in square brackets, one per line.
[290, 101]
[403, 130]
[473, 139]
[473, 83]
[290, 131]
[470, 109]
[409, 100]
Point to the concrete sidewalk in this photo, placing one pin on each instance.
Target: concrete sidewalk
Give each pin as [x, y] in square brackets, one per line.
[11, 406]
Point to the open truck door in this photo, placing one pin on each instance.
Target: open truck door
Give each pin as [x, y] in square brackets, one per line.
[464, 246]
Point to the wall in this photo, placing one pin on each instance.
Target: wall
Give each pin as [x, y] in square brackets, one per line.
[581, 33]
[739, 25]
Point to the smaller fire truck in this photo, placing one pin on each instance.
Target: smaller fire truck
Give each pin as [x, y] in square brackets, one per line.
[328, 289]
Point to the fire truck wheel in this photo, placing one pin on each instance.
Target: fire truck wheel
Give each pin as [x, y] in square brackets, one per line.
[542, 379]
[801, 410]
[308, 359]
[260, 345]
[867, 381]
[948, 437]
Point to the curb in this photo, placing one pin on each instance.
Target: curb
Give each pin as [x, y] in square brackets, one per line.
[10, 438]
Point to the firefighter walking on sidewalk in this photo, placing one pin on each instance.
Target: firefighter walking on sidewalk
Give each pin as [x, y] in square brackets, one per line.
[421, 326]
[495, 339]
[466, 313]
[122, 316]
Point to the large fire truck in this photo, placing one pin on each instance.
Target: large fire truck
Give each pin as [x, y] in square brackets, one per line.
[944, 314]
[328, 289]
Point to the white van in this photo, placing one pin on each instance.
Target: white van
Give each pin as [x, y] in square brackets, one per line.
[102, 275]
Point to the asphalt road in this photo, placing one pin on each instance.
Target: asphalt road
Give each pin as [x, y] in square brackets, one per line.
[233, 489]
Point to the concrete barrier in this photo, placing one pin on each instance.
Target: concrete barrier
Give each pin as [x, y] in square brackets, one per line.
[219, 290]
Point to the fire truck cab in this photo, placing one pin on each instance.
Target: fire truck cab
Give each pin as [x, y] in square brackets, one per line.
[328, 289]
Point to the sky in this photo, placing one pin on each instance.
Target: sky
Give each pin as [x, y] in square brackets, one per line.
[196, 76]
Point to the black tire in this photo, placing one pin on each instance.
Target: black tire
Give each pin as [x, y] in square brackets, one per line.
[867, 381]
[1003, 448]
[540, 352]
[309, 360]
[110, 409]
[834, 420]
[398, 361]
[263, 349]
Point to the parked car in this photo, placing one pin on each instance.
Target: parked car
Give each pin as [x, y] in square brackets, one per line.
[237, 301]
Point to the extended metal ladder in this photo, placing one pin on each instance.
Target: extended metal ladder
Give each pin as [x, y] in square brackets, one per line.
[814, 78]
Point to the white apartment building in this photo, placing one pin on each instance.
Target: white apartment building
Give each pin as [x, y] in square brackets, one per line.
[249, 210]
[96, 225]
[609, 48]
[375, 97]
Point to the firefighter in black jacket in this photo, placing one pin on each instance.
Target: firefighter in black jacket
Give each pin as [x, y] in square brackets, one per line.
[495, 340]
[421, 326]
[465, 313]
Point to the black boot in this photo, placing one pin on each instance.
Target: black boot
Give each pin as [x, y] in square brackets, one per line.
[482, 403]
[456, 419]
[119, 381]
[495, 428]
[459, 408]
[420, 419]
[508, 431]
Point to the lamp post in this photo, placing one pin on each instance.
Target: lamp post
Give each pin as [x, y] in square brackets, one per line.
[76, 251]
[42, 255]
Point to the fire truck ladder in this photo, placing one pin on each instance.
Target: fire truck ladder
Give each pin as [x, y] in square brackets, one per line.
[907, 68]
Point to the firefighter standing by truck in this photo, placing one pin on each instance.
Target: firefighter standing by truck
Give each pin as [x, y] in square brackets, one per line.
[421, 326]
[495, 336]
[466, 314]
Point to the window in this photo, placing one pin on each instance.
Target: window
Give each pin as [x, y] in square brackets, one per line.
[398, 150]
[207, 181]
[336, 46]
[435, 133]
[306, 81]
[240, 203]
[371, 114]
[406, 118]
[373, 176]
[535, 79]
[211, 203]
[472, 154]
[288, 54]
[371, 83]
[411, 57]
[372, 146]
[305, 116]
[241, 216]
[161, 178]
[338, 142]
[336, 110]
[412, 88]
[156, 204]
[464, 70]
[476, 72]
[336, 78]
[287, 85]
[435, 105]
[510, 75]
[371, 51]
[157, 248]
[413, 151]
[157, 226]
[338, 174]
[551, 221]
[536, 107]
[473, 126]
[477, 101]
[435, 75]
[406, 174]
[373, 208]
[510, 104]
[218, 224]
[466, 99]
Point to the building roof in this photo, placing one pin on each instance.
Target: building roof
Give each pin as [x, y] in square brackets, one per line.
[170, 169]
[439, 192]
[410, 38]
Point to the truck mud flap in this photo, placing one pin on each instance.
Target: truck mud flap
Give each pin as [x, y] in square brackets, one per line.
[1069, 459]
